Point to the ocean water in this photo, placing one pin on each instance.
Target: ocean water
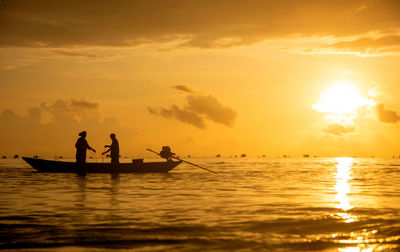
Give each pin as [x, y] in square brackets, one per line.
[310, 204]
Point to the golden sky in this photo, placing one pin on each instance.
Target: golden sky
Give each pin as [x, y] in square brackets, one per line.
[205, 77]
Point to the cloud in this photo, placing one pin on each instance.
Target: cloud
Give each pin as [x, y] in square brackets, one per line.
[386, 116]
[339, 129]
[368, 45]
[339, 124]
[197, 110]
[183, 88]
[198, 23]
[182, 115]
[63, 108]
[52, 128]
[14, 58]
[82, 104]
[212, 109]
[85, 55]
[17, 57]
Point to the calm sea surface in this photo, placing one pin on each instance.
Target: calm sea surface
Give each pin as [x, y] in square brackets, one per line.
[336, 204]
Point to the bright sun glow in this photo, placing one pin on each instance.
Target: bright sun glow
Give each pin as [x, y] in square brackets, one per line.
[341, 98]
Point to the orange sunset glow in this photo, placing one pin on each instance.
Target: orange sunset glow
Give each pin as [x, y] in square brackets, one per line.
[230, 77]
[200, 125]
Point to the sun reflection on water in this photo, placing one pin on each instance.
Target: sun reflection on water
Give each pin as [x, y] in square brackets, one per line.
[359, 241]
[342, 187]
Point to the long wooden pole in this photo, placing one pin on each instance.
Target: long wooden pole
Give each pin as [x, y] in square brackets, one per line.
[183, 161]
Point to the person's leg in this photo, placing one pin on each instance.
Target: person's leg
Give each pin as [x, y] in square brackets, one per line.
[81, 162]
[80, 166]
[114, 162]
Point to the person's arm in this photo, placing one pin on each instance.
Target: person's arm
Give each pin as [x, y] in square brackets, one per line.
[90, 148]
[106, 151]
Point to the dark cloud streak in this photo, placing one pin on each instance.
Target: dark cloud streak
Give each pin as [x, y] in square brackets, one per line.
[83, 104]
[202, 23]
[180, 114]
[369, 45]
[85, 55]
[387, 116]
[197, 110]
[183, 88]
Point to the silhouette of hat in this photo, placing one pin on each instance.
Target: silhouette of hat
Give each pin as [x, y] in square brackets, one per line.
[82, 133]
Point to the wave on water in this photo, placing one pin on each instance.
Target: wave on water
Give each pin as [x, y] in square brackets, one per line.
[327, 205]
[293, 234]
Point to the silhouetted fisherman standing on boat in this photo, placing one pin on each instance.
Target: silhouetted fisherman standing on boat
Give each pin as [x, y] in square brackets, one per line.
[81, 146]
[114, 148]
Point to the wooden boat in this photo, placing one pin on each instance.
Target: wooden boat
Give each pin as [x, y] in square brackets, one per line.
[137, 166]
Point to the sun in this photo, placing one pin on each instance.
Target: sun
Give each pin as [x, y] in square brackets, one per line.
[341, 105]
[341, 99]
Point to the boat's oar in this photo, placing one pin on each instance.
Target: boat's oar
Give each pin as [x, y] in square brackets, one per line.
[194, 164]
[183, 161]
[153, 151]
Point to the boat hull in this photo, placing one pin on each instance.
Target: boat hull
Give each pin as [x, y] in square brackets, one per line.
[43, 165]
